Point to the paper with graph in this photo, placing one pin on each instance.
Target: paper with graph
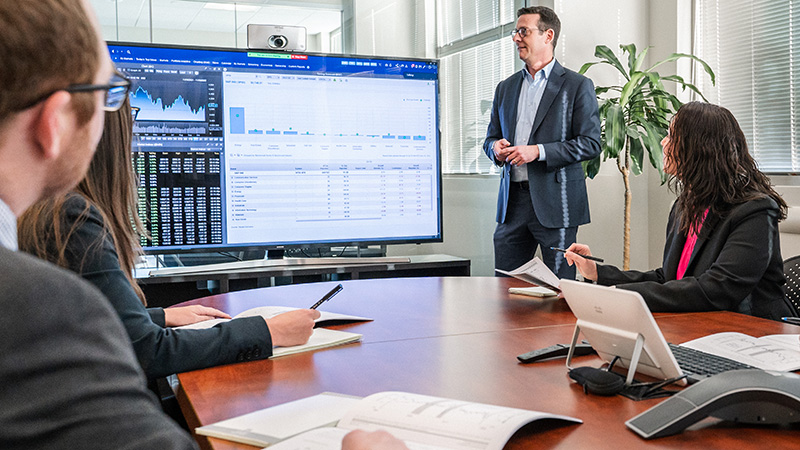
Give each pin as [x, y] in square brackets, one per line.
[779, 352]
[424, 422]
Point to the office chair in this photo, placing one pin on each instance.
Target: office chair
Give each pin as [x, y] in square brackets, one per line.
[791, 290]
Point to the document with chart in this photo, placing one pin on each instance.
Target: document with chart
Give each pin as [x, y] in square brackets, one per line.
[421, 421]
[535, 272]
[779, 352]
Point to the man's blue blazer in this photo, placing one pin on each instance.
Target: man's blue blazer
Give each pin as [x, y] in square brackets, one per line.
[568, 124]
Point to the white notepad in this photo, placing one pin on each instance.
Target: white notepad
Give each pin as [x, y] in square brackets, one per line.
[533, 291]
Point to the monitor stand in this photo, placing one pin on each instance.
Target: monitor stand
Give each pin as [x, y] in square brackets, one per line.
[275, 253]
[258, 264]
[201, 259]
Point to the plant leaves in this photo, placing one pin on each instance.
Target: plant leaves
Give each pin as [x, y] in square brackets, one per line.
[637, 154]
[630, 49]
[586, 67]
[630, 87]
[633, 132]
[684, 84]
[615, 131]
[637, 64]
[652, 141]
[640, 113]
[591, 167]
[676, 56]
[603, 52]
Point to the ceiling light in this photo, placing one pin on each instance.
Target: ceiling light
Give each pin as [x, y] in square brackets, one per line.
[231, 7]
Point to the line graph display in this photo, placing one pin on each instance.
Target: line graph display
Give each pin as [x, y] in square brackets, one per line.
[174, 102]
[177, 128]
[170, 101]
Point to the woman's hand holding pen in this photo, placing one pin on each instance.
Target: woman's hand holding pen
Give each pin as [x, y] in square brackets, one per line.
[587, 268]
[292, 328]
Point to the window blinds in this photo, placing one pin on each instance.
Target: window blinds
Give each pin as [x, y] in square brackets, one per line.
[752, 45]
[469, 76]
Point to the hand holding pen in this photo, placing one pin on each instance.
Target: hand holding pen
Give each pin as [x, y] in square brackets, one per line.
[589, 257]
[292, 327]
[327, 296]
[581, 256]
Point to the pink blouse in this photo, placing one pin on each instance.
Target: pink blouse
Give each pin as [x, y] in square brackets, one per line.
[688, 248]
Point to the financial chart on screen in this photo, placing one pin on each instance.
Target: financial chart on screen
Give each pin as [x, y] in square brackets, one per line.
[242, 149]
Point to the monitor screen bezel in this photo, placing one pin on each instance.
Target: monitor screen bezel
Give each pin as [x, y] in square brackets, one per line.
[314, 244]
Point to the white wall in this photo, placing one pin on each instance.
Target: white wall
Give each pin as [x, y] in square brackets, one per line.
[385, 28]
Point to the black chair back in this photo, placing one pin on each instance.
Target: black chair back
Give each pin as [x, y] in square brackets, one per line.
[791, 290]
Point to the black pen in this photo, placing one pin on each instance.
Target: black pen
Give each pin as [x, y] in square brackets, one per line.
[328, 296]
[591, 258]
[791, 320]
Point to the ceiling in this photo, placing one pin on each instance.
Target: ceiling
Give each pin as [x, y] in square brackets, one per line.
[219, 16]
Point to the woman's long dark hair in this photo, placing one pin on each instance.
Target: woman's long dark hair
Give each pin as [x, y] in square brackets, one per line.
[713, 168]
[109, 186]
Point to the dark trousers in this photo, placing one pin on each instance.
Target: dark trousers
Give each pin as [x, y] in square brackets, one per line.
[516, 240]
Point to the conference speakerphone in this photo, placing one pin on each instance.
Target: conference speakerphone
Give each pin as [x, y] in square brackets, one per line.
[742, 396]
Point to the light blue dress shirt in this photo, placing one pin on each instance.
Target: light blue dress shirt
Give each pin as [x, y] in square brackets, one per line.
[8, 227]
[529, 98]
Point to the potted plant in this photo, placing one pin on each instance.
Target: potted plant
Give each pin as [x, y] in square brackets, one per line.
[634, 119]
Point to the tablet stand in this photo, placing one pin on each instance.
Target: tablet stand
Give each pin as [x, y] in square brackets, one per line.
[637, 353]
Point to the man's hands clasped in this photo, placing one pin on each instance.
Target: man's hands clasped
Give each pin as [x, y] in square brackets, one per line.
[516, 155]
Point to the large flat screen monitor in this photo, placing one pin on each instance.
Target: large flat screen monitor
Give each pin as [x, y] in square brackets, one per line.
[243, 149]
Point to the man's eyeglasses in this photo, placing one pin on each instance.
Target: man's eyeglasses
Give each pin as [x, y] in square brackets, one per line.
[116, 91]
[523, 31]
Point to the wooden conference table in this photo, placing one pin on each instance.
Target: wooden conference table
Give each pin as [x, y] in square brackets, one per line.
[457, 337]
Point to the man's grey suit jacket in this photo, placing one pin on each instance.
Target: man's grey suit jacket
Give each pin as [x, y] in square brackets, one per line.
[68, 377]
[568, 124]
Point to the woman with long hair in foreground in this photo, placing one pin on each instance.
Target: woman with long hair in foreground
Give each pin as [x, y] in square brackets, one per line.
[94, 231]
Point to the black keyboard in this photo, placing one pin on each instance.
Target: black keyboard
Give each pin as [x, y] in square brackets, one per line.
[698, 365]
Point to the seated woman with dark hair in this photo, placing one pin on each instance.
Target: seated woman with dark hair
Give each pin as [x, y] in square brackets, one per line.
[93, 231]
[723, 246]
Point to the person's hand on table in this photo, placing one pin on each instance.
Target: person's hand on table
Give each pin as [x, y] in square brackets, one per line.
[186, 315]
[586, 267]
[375, 440]
[292, 328]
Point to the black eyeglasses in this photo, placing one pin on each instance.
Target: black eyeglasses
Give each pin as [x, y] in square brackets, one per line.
[115, 92]
[523, 31]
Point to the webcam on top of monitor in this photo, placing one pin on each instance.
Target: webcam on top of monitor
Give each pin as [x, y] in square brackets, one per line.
[276, 37]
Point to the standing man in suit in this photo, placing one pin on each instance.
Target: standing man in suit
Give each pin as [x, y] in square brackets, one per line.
[544, 123]
[67, 370]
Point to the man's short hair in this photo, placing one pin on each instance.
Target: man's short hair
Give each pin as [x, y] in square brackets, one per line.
[548, 20]
[46, 45]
